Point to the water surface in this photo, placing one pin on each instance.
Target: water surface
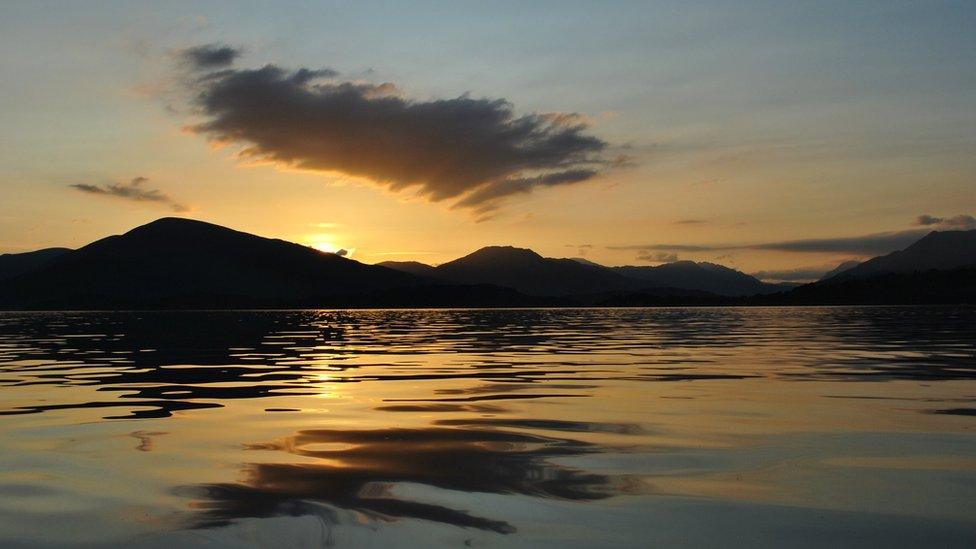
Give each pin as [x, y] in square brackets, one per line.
[583, 427]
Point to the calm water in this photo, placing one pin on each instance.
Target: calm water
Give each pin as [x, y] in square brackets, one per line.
[649, 427]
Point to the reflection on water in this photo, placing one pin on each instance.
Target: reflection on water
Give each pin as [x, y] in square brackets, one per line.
[358, 469]
[533, 427]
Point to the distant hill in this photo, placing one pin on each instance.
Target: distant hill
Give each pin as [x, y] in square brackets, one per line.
[186, 261]
[943, 251]
[412, 267]
[530, 273]
[953, 286]
[533, 274]
[585, 261]
[708, 277]
[845, 266]
[12, 265]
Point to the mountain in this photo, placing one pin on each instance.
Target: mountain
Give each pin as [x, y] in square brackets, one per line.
[690, 275]
[530, 273]
[533, 274]
[412, 267]
[845, 266]
[174, 260]
[12, 265]
[951, 287]
[945, 250]
[585, 261]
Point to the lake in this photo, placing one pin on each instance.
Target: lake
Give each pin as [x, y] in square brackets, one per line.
[700, 427]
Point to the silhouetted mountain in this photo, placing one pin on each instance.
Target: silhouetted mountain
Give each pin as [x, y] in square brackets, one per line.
[585, 261]
[954, 286]
[690, 275]
[938, 250]
[186, 261]
[181, 263]
[530, 273]
[12, 265]
[845, 266]
[784, 286]
[412, 267]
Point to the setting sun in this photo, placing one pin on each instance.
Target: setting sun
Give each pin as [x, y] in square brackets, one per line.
[324, 246]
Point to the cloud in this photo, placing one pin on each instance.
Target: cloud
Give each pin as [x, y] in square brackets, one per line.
[962, 222]
[486, 198]
[474, 151]
[657, 257]
[690, 222]
[871, 244]
[133, 190]
[209, 56]
[864, 245]
[342, 252]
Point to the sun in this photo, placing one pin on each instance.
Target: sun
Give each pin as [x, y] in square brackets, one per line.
[325, 246]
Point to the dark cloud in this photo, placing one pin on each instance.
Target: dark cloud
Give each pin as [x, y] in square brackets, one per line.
[673, 247]
[872, 244]
[485, 199]
[690, 222]
[210, 56]
[133, 190]
[657, 257]
[962, 222]
[474, 151]
[865, 245]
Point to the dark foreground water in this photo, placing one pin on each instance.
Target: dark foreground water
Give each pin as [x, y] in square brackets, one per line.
[792, 427]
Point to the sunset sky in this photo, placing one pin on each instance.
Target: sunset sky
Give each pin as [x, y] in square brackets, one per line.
[762, 135]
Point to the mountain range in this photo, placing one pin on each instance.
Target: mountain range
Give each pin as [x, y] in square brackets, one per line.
[531, 273]
[182, 263]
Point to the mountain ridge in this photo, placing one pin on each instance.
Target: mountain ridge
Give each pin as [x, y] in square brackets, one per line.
[710, 277]
[12, 265]
[938, 250]
[173, 257]
[184, 263]
[530, 273]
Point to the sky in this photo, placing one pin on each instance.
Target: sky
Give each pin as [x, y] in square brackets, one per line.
[779, 138]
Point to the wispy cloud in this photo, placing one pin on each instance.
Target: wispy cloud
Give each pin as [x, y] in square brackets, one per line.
[657, 257]
[133, 190]
[863, 245]
[474, 151]
[581, 249]
[209, 56]
[962, 222]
